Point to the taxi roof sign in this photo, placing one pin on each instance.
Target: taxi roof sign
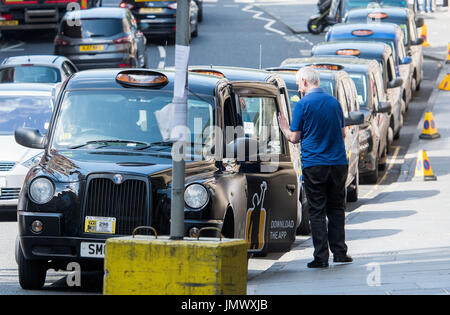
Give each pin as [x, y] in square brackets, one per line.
[142, 78]
[362, 32]
[327, 66]
[377, 15]
[214, 73]
[348, 52]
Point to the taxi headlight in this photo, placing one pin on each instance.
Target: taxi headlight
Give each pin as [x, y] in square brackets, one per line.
[33, 161]
[41, 190]
[195, 196]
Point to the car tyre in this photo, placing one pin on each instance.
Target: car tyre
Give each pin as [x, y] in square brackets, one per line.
[305, 227]
[315, 28]
[352, 190]
[32, 273]
[195, 33]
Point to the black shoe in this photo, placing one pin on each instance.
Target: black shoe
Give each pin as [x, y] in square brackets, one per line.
[342, 259]
[317, 264]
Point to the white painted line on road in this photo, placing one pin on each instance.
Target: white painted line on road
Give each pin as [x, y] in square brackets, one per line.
[14, 47]
[162, 55]
[257, 16]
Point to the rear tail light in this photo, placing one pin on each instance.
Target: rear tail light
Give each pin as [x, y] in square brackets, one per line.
[123, 40]
[124, 65]
[126, 5]
[61, 42]
[172, 6]
[6, 17]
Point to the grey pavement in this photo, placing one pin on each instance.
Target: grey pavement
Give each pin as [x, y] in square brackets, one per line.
[400, 238]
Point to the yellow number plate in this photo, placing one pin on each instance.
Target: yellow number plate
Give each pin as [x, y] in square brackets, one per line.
[9, 23]
[91, 47]
[150, 10]
[100, 225]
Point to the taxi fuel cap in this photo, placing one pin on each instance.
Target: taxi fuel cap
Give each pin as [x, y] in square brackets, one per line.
[142, 78]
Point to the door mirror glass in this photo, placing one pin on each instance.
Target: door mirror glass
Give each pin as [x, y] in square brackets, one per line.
[418, 41]
[397, 82]
[419, 22]
[406, 60]
[30, 138]
[384, 107]
[354, 118]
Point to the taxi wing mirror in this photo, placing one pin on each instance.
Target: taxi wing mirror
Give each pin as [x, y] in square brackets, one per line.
[30, 138]
[395, 83]
[419, 22]
[354, 118]
[243, 149]
[383, 107]
[418, 41]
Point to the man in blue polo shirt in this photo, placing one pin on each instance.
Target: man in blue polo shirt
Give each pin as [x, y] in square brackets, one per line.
[318, 123]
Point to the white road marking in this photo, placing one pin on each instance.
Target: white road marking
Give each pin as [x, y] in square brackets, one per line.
[257, 16]
[14, 47]
[162, 55]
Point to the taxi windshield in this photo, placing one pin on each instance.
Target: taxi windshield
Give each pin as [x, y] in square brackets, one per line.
[24, 110]
[359, 4]
[361, 88]
[125, 119]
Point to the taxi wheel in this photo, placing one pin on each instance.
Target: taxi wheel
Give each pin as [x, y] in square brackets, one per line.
[32, 273]
[305, 227]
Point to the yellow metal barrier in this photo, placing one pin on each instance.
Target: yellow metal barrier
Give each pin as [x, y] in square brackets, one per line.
[149, 265]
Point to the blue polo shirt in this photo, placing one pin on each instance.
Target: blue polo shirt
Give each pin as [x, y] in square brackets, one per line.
[319, 118]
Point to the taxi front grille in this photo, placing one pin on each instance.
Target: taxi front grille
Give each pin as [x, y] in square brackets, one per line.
[6, 166]
[9, 193]
[128, 202]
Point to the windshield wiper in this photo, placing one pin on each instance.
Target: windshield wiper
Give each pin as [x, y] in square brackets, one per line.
[156, 144]
[107, 142]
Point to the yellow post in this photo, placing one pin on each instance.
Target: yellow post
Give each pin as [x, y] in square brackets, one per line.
[423, 34]
[423, 167]
[429, 130]
[145, 265]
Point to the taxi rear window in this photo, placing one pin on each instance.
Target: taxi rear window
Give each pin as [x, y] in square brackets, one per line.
[30, 74]
[91, 28]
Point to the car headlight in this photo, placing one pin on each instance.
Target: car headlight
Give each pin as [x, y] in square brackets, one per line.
[196, 196]
[33, 161]
[41, 190]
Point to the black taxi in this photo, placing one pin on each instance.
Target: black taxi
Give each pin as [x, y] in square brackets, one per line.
[106, 168]
[382, 53]
[407, 21]
[376, 133]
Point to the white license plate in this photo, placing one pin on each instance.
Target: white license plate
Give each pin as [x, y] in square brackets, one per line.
[100, 225]
[92, 250]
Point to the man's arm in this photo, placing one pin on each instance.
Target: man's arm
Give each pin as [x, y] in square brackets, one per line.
[291, 136]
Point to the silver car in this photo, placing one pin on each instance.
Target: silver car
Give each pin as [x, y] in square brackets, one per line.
[101, 38]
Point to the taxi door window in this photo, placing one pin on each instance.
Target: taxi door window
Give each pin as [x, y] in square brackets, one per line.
[342, 99]
[349, 89]
[259, 116]
[412, 29]
[379, 85]
[390, 69]
[373, 91]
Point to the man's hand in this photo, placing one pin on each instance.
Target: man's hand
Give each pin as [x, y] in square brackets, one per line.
[283, 123]
[291, 136]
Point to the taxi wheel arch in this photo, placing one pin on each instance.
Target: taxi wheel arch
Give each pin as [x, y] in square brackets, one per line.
[32, 273]
[228, 223]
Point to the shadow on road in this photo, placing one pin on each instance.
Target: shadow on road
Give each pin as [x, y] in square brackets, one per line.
[367, 216]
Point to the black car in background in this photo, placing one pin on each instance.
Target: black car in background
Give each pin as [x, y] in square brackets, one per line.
[158, 18]
[36, 69]
[106, 168]
[101, 38]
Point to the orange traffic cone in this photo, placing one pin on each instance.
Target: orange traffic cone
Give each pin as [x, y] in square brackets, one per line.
[423, 34]
[445, 84]
[423, 168]
[429, 130]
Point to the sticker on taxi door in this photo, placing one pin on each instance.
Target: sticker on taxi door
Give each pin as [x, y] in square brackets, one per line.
[256, 221]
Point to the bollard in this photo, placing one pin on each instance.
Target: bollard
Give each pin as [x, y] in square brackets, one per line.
[161, 266]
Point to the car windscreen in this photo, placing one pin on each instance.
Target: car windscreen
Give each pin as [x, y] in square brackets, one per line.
[361, 88]
[91, 28]
[359, 4]
[326, 84]
[30, 74]
[128, 118]
[32, 110]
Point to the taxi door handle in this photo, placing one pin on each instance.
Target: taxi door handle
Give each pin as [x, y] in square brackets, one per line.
[291, 188]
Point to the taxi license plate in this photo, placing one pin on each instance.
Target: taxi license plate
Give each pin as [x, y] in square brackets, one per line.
[100, 225]
[92, 47]
[150, 10]
[93, 250]
[9, 23]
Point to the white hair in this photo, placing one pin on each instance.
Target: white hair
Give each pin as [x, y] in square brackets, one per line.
[310, 75]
